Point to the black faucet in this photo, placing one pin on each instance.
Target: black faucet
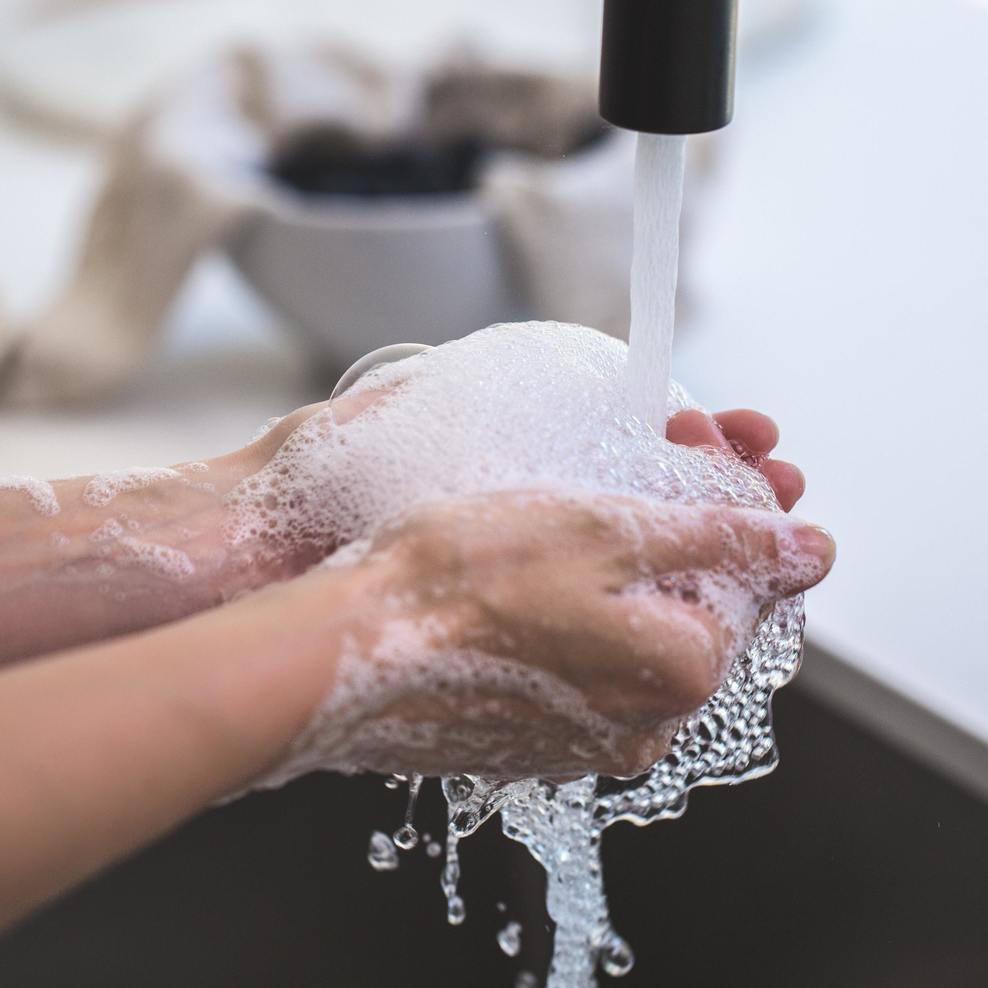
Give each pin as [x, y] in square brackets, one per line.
[667, 66]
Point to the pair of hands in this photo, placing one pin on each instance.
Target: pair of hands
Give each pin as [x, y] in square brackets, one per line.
[624, 614]
[520, 634]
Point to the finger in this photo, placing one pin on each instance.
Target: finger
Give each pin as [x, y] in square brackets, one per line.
[695, 428]
[757, 433]
[777, 556]
[787, 481]
[681, 651]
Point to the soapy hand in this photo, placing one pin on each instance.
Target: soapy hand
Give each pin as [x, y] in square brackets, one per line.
[505, 634]
[568, 633]
[750, 435]
[747, 434]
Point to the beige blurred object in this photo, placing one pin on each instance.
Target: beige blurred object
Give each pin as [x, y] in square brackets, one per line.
[189, 174]
[85, 67]
[149, 224]
[164, 201]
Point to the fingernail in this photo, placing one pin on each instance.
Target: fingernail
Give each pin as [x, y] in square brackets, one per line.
[816, 541]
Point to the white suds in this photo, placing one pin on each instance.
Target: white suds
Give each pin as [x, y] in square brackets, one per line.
[110, 529]
[40, 493]
[161, 560]
[102, 489]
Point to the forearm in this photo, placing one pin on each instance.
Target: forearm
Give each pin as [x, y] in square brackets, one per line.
[100, 556]
[107, 747]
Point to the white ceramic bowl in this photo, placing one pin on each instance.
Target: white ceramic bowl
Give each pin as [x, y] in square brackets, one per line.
[355, 275]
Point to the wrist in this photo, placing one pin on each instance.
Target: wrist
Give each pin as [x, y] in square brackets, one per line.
[286, 644]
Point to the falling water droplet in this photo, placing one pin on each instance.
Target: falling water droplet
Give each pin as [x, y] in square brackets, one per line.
[526, 979]
[393, 782]
[509, 939]
[456, 911]
[433, 849]
[382, 854]
[616, 957]
[406, 837]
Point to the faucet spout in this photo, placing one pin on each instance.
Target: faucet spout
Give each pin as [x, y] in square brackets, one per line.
[667, 66]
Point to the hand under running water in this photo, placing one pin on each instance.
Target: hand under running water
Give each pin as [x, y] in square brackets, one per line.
[750, 435]
[518, 576]
[626, 613]
[745, 433]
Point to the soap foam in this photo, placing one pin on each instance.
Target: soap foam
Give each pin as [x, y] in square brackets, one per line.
[164, 561]
[40, 493]
[471, 417]
[161, 560]
[109, 531]
[103, 488]
[525, 407]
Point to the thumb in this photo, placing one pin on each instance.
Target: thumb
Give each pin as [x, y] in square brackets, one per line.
[777, 556]
[772, 554]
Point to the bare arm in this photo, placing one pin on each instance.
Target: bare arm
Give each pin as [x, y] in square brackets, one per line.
[88, 558]
[108, 747]
[94, 570]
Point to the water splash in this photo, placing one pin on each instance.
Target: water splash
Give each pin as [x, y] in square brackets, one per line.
[728, 740]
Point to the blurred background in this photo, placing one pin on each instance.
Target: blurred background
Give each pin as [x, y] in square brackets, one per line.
[209, 208]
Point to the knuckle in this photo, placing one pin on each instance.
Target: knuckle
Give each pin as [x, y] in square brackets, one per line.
[746, 535]
[694, 684]
[640, 753]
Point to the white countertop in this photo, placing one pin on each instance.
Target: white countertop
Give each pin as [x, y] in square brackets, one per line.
[840, 267]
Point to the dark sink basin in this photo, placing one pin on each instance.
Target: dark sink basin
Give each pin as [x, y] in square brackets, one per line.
[850, 867]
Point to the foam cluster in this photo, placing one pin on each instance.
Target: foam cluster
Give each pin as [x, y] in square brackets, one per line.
[513, 407]
[104, 487]
[40, 493]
